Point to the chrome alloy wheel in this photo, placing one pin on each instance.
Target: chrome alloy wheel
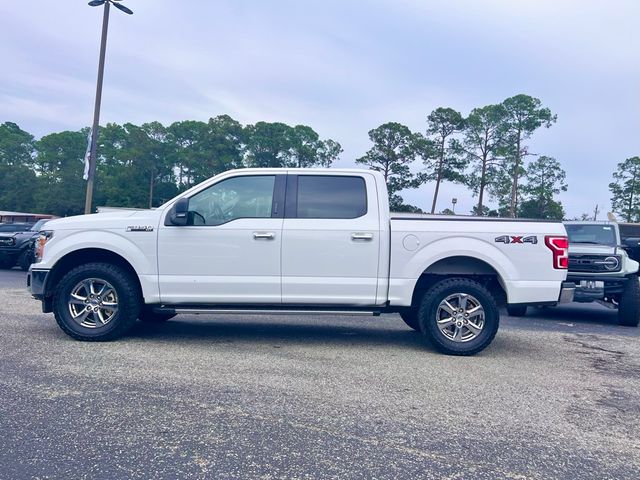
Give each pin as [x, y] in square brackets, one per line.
[460, 317]
[93, 303]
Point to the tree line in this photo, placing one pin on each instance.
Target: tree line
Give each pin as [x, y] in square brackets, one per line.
[145, 165]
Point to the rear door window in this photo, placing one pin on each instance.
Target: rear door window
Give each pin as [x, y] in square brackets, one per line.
[326, 196]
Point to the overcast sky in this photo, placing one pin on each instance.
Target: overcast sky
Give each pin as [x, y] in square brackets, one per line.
[342, 67]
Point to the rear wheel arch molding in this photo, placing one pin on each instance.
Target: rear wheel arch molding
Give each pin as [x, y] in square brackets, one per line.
[461, 266]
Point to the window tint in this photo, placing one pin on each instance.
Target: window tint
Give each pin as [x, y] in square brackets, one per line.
[238, 197]
[331, 197]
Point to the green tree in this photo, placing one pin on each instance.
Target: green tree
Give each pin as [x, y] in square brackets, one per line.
[17, 178]
[268, 144]
[273, 145]
[481, 143]
[545, 178]
[440, 154]
[60, 163]
[187, 140]
[625, 189]
[394, 151]
[523, 116]
[307, 150]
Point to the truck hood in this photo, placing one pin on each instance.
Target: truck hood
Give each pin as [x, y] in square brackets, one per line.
[589, 249]
[108, 220]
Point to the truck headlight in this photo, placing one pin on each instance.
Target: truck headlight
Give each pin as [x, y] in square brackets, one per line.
[41, 241]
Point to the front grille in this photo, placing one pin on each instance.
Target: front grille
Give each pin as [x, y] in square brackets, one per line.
[7, 242]
[595, 263]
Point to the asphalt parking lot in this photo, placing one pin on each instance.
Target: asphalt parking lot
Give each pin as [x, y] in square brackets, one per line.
[557, 395]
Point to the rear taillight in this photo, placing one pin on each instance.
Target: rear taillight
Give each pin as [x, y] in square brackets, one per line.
[559, 246]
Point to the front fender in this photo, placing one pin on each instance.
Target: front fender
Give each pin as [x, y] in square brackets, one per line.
[140, 253]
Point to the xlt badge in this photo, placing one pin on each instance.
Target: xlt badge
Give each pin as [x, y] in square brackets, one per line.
[139, 228]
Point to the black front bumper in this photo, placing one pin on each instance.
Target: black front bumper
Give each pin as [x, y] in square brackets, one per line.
[37, 282]
[612, 286]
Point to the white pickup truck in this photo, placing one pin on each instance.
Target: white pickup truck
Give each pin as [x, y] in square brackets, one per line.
[296, 241]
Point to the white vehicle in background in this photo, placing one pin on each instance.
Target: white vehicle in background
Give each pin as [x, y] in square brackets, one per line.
[602, 268]
[296, 241]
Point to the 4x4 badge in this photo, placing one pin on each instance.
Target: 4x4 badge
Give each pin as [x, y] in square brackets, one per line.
[517, 239]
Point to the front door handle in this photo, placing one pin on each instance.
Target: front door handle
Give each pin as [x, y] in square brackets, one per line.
[263, 235]
[362, 236]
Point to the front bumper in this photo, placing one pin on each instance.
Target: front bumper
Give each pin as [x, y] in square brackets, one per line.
[612, 286]
[37, 282]
[567, 291]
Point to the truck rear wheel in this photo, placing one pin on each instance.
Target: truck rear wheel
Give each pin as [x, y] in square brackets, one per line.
[96, 302]
[629, 306]
[459, 316]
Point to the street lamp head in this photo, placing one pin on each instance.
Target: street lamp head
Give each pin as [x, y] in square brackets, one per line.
[97, 3]
[122, 7]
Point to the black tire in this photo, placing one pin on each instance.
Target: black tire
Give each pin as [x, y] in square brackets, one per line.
[517, 310]
[147, 315]
[427, 315]
[128, 302]
[25, 259]
[410, 317]
[629, 306]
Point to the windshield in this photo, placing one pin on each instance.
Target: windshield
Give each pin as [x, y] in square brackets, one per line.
[592, 234]
[38, 225]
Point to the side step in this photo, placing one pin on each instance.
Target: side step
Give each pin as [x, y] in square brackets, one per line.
[262, 310]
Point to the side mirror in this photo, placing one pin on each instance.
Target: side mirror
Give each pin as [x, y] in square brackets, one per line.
[179, 212]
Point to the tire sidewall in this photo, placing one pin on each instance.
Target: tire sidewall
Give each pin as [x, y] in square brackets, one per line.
[126, 303]
[428, 311]
[629, 308]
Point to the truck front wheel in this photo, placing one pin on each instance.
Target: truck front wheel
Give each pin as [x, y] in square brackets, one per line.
[96, 302]
[459, 316]
[629, 306]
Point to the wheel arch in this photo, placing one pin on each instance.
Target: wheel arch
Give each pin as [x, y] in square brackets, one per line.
[461, 266]
[88, 255]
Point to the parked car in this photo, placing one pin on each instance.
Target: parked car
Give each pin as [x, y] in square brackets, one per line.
[296, 241]
[602, 269]
[18, 248]
[15, 227]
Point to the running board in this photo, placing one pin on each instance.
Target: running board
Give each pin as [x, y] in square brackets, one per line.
[264, 311]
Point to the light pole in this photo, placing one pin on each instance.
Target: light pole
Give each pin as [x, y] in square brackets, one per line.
[453, 205]
[96, 109]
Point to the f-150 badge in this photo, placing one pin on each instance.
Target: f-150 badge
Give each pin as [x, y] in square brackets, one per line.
[139, 228]
[517, 239]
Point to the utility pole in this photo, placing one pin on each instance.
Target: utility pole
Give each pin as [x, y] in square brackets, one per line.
[595, 213]
[96, 109]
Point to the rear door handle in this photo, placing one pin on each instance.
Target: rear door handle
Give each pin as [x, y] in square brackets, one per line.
[362, 236]
[263, 235]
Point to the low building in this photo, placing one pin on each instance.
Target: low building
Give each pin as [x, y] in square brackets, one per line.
[22, 217]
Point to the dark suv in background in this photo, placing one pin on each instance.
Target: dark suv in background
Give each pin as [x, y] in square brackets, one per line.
[17, 243]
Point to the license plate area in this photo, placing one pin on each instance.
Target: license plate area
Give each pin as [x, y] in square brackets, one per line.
[592, 285]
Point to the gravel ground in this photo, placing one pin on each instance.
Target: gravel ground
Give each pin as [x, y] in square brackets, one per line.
[557, 395]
